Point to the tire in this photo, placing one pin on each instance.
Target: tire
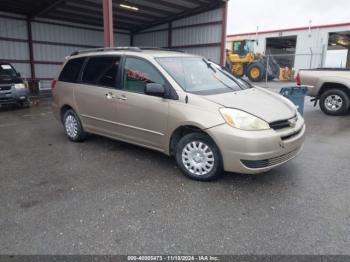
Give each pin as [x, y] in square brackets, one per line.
[197, 145]
[335, 102]
[73, 127]
[256, 67]
[25, 104]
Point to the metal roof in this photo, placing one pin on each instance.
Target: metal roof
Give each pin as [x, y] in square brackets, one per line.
[150, 12]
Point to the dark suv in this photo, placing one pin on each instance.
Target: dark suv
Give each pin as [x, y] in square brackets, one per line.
[12, 88]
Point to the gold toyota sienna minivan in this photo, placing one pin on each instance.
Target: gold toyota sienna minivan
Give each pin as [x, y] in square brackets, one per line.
[180, 104]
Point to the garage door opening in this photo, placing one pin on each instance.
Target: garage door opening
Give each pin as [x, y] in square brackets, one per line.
[282, 49]
[338, 55]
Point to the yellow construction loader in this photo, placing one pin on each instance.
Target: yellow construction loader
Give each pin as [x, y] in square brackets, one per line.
[242, 61]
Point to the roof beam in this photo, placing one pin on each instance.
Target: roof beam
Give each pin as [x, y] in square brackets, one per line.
[92, 22]
[46, 8]
[116, 4]
[171, 5]
[76, 5]
[69, 15]
[152, 10]
[188, 12]
[13, 8]
[198, 2]
[97, 14]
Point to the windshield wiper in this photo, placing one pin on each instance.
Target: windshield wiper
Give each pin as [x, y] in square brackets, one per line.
[246, 82]
[237, 80]
[209, 65]
[222, 82]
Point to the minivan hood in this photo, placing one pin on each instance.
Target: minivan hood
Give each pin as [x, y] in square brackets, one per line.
[256, 101]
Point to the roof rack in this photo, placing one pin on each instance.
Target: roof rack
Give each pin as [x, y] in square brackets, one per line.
[132, 48]
[106, 49]
[160, 49]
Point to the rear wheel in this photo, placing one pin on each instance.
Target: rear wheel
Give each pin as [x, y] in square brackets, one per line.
[256, 72]
[198, 157]
[334, 102]
[73, 127]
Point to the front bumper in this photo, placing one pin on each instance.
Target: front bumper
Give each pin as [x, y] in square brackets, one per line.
[14, 96]
[252, 152]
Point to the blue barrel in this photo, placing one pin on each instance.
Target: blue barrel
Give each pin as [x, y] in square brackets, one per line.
[296, 94]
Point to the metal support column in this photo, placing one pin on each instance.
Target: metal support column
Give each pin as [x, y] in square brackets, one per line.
[223, 34]
[108, 23]
[170, 34]
[30, 48]
[132, 39]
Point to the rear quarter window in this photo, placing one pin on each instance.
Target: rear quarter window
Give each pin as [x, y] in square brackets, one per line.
[71, 70]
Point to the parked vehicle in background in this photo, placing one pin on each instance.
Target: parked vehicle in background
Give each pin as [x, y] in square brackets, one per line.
[331, 87]
[179, 104]
[12, 88]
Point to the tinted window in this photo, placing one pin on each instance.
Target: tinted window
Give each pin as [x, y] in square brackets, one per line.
[101, 71]
[71, 70]
[138, 73]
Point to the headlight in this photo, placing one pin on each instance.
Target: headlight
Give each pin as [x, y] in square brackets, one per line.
[20, 86]
[242, 120]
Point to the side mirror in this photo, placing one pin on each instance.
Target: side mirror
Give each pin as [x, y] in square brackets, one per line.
[18, 74]
[154, 89]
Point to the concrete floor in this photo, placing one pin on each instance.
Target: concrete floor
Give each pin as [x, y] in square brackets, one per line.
[108, 197]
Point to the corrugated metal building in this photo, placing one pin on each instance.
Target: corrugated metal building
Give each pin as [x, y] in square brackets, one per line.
[36, 38]
[301, 48]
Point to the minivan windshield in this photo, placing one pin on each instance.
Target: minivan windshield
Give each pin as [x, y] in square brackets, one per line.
[7, 72]
[200, 76]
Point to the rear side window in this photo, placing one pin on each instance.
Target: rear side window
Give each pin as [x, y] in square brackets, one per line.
[71, 70]
[101, 71]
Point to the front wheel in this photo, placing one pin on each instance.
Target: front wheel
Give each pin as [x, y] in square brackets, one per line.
[24, 104]
[334, 102]
[198, 157]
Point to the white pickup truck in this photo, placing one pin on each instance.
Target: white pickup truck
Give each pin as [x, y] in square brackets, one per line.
[329, 86]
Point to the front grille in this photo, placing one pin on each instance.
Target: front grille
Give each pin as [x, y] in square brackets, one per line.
[284, 123]
[3, 88]
[6, 99]
[269, 162]
[280, 124]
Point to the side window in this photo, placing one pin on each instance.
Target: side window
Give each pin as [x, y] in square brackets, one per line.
[101, 71]
[236, 47]
[139, 73]
[71, 70]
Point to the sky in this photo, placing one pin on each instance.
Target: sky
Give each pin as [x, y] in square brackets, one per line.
[245, 15]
